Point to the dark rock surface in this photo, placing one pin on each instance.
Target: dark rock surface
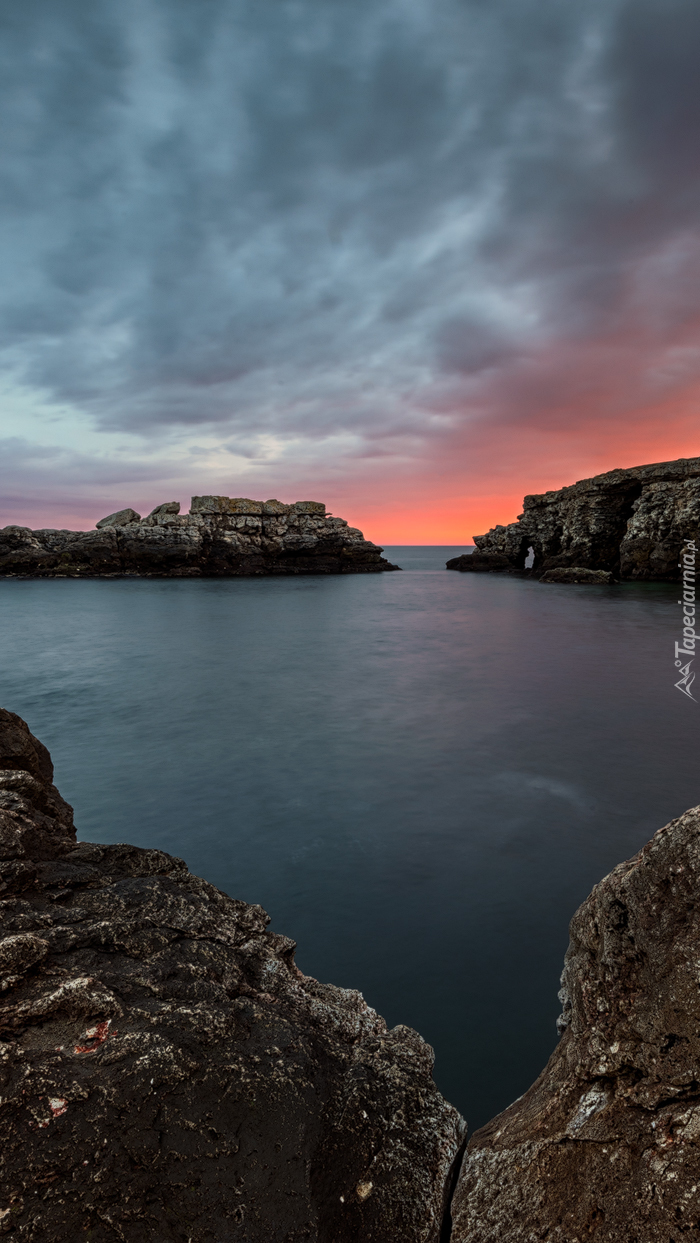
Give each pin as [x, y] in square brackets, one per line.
[220, 537]
[166, 1071]
[480, 562]
[631, 523]
[575, 574]
[606, 1144]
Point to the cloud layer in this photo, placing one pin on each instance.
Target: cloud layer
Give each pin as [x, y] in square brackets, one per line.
[405, 252]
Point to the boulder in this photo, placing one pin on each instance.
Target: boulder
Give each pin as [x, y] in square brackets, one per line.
[606, 1144]
[120, 519]
[167, 1072]
[168, 507]
[225, 505]
[309, 507]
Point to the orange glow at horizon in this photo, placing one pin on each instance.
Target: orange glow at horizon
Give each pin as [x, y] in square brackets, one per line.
[594, 427]
[452, 512]
[475, 478]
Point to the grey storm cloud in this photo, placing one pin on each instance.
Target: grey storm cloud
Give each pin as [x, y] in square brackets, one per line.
[316, 215]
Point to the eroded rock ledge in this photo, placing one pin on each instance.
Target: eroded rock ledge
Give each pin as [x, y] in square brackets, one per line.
[631, 523]
[167, 1072]
[220, 537]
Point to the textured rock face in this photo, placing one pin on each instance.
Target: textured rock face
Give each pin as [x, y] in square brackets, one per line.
[606, 1144]
[166, 1071]
[574, 574]
[631, 523]
[120, 518]
[221, 536]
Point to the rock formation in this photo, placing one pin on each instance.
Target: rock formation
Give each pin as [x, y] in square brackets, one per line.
[606, 1144]
[220, 537]
[631, 523]
[168, 1073]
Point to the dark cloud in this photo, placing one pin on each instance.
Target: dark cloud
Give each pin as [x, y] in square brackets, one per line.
[338, 216]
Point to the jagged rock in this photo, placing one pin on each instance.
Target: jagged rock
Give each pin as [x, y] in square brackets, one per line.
[168, 1073]
[575, 574]
[221, 536]
[606, 1144]
[120, 519]
[168, 507]
[163, 515]
[631, 523]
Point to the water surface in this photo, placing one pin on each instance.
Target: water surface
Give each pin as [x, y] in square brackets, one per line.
[419, 775]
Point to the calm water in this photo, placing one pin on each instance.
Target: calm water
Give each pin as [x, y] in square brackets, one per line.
[419, 775]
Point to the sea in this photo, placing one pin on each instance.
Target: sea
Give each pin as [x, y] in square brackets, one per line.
[419, 775]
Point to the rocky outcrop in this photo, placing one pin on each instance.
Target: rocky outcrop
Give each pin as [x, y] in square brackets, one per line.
[122, 518]
[220, 537]
[168, 1073]
[631, 523]
[606, 1144]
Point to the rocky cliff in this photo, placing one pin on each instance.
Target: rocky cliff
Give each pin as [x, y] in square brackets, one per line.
[168, 1073]
[631, 523]
[606, 1144]
[220, 537]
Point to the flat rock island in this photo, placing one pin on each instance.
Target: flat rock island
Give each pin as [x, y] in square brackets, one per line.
[221, 536]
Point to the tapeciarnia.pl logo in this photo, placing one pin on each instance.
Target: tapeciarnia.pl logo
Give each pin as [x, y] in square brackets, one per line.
[687, 647]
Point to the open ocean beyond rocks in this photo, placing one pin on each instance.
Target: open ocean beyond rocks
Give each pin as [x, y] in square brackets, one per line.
[419, 775]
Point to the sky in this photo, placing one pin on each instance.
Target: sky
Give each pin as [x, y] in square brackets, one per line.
[413, 258]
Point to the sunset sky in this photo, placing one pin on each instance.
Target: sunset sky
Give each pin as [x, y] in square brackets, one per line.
[414, 258]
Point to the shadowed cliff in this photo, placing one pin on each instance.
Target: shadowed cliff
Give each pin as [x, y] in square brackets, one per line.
[627, 523]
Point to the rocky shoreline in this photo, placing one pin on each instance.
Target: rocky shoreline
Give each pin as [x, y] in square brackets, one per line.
[626, 524]
[167, 1072]
[221, 537]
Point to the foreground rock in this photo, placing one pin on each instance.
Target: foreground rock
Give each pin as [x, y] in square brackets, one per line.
[167, 1073]
[606, 1144]
[630, 523]
[220, 537]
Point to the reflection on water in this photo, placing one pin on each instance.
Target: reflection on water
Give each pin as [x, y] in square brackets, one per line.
[419, 775]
